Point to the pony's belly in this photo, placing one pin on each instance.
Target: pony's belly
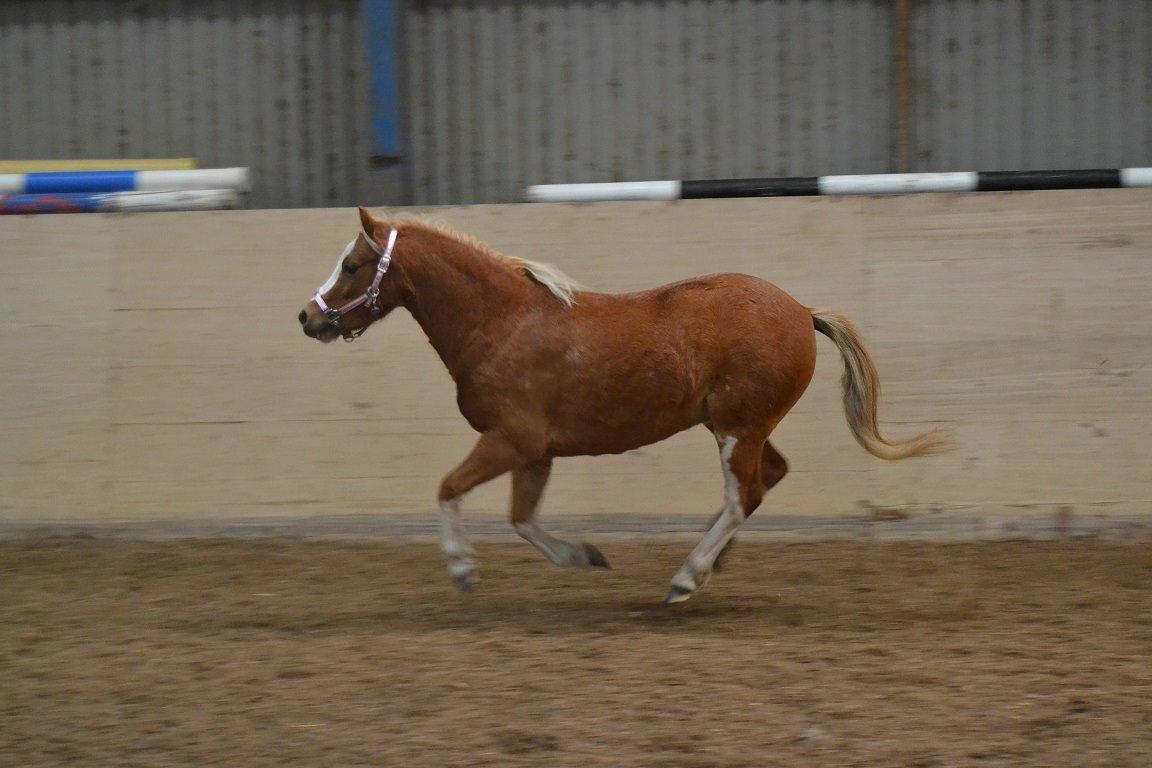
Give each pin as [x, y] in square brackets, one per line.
[630, 401]
[616, 442]
[610, 428]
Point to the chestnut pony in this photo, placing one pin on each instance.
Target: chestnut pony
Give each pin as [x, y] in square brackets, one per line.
[544, 369]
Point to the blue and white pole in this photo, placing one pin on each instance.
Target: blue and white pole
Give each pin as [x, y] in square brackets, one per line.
[62, 182]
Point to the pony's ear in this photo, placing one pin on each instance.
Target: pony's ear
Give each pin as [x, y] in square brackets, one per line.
[367, 222]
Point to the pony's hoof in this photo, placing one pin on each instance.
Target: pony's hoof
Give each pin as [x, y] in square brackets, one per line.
[596, 558]
[677, 594]
[464, 578]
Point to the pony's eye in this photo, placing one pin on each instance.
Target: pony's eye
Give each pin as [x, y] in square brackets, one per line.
[350, 268]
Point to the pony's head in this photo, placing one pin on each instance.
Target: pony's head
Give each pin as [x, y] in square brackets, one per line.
[360, 289]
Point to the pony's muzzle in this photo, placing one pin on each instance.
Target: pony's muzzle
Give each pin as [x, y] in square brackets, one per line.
[312, 327]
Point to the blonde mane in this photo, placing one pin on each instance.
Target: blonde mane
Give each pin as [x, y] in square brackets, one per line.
[558, 284]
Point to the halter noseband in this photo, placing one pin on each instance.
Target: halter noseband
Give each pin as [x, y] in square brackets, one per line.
[369, 297]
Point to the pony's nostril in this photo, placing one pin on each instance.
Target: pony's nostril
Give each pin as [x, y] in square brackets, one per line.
[302, 317]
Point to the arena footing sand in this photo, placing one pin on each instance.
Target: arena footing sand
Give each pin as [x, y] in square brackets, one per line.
[1052, 521]
[273, 653]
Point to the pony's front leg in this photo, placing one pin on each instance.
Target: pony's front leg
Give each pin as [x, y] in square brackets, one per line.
[492, 456]
[527, 487]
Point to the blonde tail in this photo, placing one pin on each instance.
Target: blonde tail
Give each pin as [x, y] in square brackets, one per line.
[862, 392]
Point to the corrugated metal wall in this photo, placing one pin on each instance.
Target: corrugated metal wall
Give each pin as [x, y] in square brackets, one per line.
[503, 94]
[276, 85]
[1020, 84]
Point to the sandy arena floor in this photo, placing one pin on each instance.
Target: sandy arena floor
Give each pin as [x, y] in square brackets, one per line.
[309, 653]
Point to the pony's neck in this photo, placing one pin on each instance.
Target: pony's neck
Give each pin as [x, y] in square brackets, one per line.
[461, 297]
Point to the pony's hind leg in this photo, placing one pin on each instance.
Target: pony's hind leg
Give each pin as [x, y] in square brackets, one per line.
[773, 467]
[740, 458]
[527, 487]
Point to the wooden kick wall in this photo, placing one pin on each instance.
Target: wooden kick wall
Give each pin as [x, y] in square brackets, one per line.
[154, 369]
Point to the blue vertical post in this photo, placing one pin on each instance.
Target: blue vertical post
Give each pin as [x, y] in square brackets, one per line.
[380, 30]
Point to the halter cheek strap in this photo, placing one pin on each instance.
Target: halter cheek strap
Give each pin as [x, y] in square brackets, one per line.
[369, 297]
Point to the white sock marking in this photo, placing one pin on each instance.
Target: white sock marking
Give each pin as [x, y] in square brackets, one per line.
[698, 567]
[560, 552]
[453, 543]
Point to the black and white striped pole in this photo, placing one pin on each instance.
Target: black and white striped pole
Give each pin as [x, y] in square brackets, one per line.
[874, 184]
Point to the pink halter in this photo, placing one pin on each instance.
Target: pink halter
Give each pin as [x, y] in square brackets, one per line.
[369, 297]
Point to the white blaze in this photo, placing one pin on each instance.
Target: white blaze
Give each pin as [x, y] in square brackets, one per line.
[336, 270]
